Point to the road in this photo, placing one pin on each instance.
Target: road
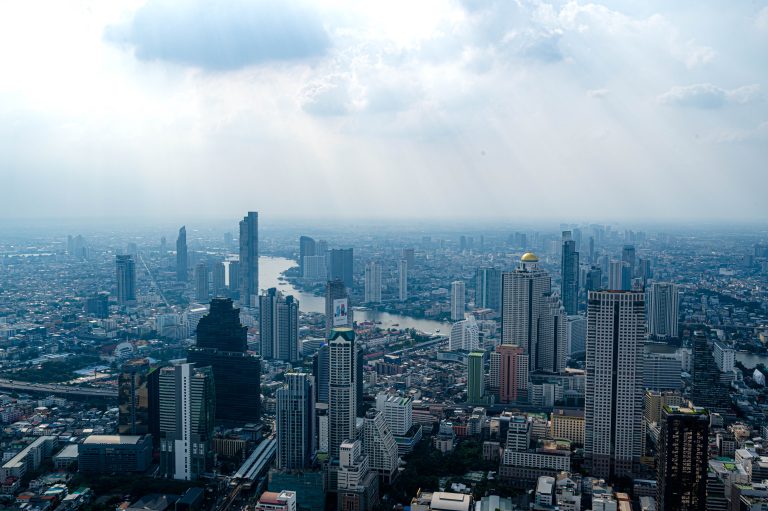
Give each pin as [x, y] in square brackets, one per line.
[56, 389]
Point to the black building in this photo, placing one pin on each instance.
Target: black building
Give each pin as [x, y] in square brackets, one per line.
[97, 305]
[340, 266]
[138, 398]
[707, 390]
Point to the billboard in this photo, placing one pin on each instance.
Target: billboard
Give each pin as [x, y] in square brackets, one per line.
[340, 312]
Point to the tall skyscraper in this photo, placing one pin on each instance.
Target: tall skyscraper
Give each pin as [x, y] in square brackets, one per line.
[513, 373]
[591, 250]
[628, 256]
[187, 409]
[569, 274]
[340, 265]
[552, 341]
[249, 259]
[488, 288]
[233, 274]
[409, 254]
[594, 280]
[295, 422]
[380, 446]
[138, 395]
[614, 383]
[372, 282]
[707, 389]
[403, 280]
[182, 261]
[321, 372]
[218, 278]
[342, 405]
[222, 345]
[475, 377]
[307, 247]
[278, 326]
[619, 278]
[458, 300]
[681, 461]
[338, 308]
[663, 303]
[201, 282]
[465, 335]
[126, 279]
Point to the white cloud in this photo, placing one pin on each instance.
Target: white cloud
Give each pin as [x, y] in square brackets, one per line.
[706, 95]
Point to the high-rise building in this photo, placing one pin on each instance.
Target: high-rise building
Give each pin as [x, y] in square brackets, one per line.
[552, 336]
[187, 408]
[398, 412]
[465, 335]
[614, 382]
[201, 282]
[372, 282]
[138, 395]
[218, 278]
[682, 459]
[380, 446]
[321, 371]
[594, 280]
[488, 288]
[409, 254]
[97, 305]
[126, 279]
[249, 259]
[569, 274]
[357, 485]
[707, 390]
[663, 302]
[628, 256]
[182, 261]
[591, 250]
[338, 309]
[279, 326]
[619, 276]
[403, 280]
[475, 377]
[222, 345]
[513, 373]
[342, 399]
[307, 247]
[576, 332]
[233, 277]
[458, 300]
[295, 422]
[340, 266]
[315, 267]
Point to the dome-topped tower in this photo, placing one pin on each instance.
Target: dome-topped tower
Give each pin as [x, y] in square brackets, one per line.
[529, 257]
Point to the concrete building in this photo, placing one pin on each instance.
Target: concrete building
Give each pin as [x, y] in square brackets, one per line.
[372, 282]
[662, 300]
[458, 300]
[380, 446]
[295, 422]
[343, 375]
[403, 280]
[278, 326]
[465, 335]
[568, 424]
[106, 454]
[513, 373]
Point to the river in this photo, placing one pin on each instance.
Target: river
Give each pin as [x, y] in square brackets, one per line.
[271, 268]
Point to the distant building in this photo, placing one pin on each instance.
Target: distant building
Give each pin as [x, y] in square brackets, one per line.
[295, 422]
[725, 357]
[315, 267]
[403, 280]
[661, 372]
[249, 259]
[126, 279]
[576, 333]
[138, 396]
[182, 260]
[458, 300]
[278, 326]
[663, 304]
[465, 335]
[513, 374]
[97, 305]
[307, 248]
[202, 291]
[488, 289]
[107, 454]
[476, 377]
[372, 282]
[340, 261]
[338, 307]
[569, 274]
[219, 279]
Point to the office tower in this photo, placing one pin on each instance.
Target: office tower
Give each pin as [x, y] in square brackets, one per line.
[681, 460]
[398, 412]
[357, 485]
[619, 278]
[513, 373]
[494, 371]
[628, 256]
[594, 280]
[126, 279]
[661, 371]
[187, 408]
[372, 282]
[201, 282]
[488, 288]
[97, 305]
[576, 332]
[138, 399]
[663, 302]
[315, 267]
[380, 446]
[552, 336]
[340, 265]
[278, 326]
[218, 278]
[182, 260]
[614, 385]
[465, 335]
[475, 377]
[591, 250]
[249, 259]
[409, 254]
[233, 276]
[320, 371]
[342, 388]
[458, 297]
[295, 422]
[569, 274]
[228, 239]
[222, 345]
[307, 247]
[338, 309]
[707, 390]
[403, 280]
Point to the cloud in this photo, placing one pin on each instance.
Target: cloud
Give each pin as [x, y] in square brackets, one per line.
[761, 20]
[222, 36]
[757, 134]
[706, 95]
[598, 93]
[328, 97]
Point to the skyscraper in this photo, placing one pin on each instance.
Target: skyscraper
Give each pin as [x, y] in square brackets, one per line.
[569, 273]
[628, 256]
[380, 446]
[552, 336]
[409, 254]
[249, 259]
[488, 288]
[619, 276]
[321, 370]
[476, 377]
[342, 405]
[126, 279]
[278, 326]
[218, 278]
[513, 373]
[295, 422]
[182, 261]
[458, 300]
[138, 395]
[594, 281]
[614, 383]
[663, 302]
[201, 282]
[681, 460]
[403, 280]
[340, 265]
[306, 249]
[372, 282]
[222, 345]
[187, 409]
[338, 309]
[465, 335]
[233, 274]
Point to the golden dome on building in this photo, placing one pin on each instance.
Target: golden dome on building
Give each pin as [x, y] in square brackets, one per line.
[529, 257]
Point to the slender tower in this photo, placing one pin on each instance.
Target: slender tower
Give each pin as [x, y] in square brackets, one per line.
[249, 259]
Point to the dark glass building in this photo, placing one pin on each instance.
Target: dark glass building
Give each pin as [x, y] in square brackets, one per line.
[182, 261]
[340, 265]
[138, 395]
[569, 274]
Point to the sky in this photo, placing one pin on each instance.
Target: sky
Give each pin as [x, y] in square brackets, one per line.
[437, 109]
